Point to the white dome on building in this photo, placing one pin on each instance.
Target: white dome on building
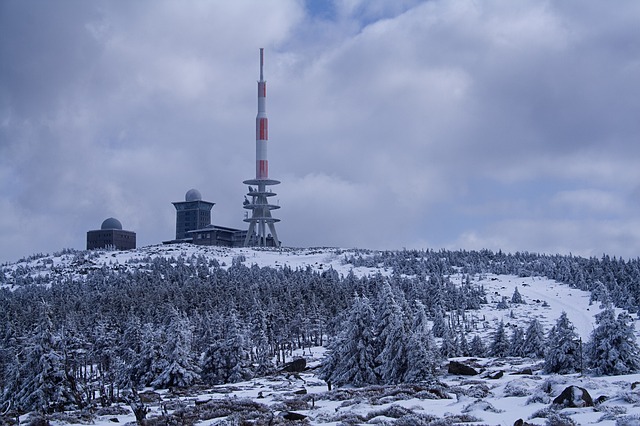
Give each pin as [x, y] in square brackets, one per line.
[111, 223]
[193, 195]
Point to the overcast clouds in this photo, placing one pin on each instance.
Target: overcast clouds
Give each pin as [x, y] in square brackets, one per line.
[419, 124]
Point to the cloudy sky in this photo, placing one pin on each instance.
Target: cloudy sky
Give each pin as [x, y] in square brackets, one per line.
[393, 123]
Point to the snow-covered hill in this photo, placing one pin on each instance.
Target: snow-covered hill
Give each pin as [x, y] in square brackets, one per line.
[487, 398]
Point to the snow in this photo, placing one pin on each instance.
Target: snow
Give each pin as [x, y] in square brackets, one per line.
[496, 409]
[509, 398]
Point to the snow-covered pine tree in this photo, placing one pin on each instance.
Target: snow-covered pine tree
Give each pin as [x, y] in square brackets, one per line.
[150, 362]
[534, 341]
[477, 347]
[40, 382]
[103, 353]
[612, 349]
[449, 344]
[181, 368]
[562, 354]
[439, 323]
[601, 294]
[391, 339]
[516, 298]
[128, 351]
[500, 343]
[463, 344]
[351, 359]
[503, 304]
[423, 356]
[227, 360]
[261, 354]
[516, 342]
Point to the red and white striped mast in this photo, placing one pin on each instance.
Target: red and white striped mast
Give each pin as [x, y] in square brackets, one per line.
[261, 218]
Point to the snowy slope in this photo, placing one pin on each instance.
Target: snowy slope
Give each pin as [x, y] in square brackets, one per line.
[498, 401]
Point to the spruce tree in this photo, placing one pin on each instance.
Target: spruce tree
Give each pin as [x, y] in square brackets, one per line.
[534, 341]
[449, 345]
[423, 357]
[40, 382]
[181, 368]
[463, 344]
[260, 343]
[439, 323]
[477, 347]
[516, 343]
[516, 298]
[150, 362]
[612, 349]
[351, 359]
[228, 359]
[500, 343]
[562, 354]
[391, 339]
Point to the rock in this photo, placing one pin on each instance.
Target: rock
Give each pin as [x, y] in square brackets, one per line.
[294, 416]
[496, 376]
[114, 420]
[634, 384]
[301, 392]
[521, 422]
[574, 397]
[525, 371]
[600, 399]
[295, 366]
[149, 397]
[461, 369]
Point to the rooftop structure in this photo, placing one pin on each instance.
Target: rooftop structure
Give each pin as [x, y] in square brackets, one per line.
[192, 213]
[193, 224]
[111, 235]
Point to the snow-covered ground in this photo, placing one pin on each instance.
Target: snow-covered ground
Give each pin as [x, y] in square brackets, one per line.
[476, 400]
[469, 400]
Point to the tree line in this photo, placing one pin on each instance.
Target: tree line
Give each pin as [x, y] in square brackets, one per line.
[75, 340]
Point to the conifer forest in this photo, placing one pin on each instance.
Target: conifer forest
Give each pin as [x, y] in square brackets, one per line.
[78, 330]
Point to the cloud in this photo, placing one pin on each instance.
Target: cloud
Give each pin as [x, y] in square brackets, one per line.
[392, 124]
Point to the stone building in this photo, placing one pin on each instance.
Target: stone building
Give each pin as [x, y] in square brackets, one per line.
[111, 235]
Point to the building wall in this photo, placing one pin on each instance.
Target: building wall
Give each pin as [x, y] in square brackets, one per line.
[218, 236]
[191, 215]
[105, 238]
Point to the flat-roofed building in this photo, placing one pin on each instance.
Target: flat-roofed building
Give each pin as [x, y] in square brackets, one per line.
[111, 235]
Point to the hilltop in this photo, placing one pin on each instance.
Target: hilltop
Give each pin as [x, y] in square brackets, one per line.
[282, 304]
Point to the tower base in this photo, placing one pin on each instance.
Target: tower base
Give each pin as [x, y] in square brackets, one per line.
[261, 220]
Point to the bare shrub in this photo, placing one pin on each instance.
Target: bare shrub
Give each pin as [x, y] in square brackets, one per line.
[631, 420]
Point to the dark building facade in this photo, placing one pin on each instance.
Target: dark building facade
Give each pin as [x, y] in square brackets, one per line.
[214, 235]
[193, 224]
[111, 235]
[192, 213]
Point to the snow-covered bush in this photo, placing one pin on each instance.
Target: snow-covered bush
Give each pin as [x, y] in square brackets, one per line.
[631, 420]
[538, 397]
[559, 419]
[481, 405]
[414, 419]
[629, 397]
[610, 412]
[478, 391]
[517, 387]
[554, 418]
